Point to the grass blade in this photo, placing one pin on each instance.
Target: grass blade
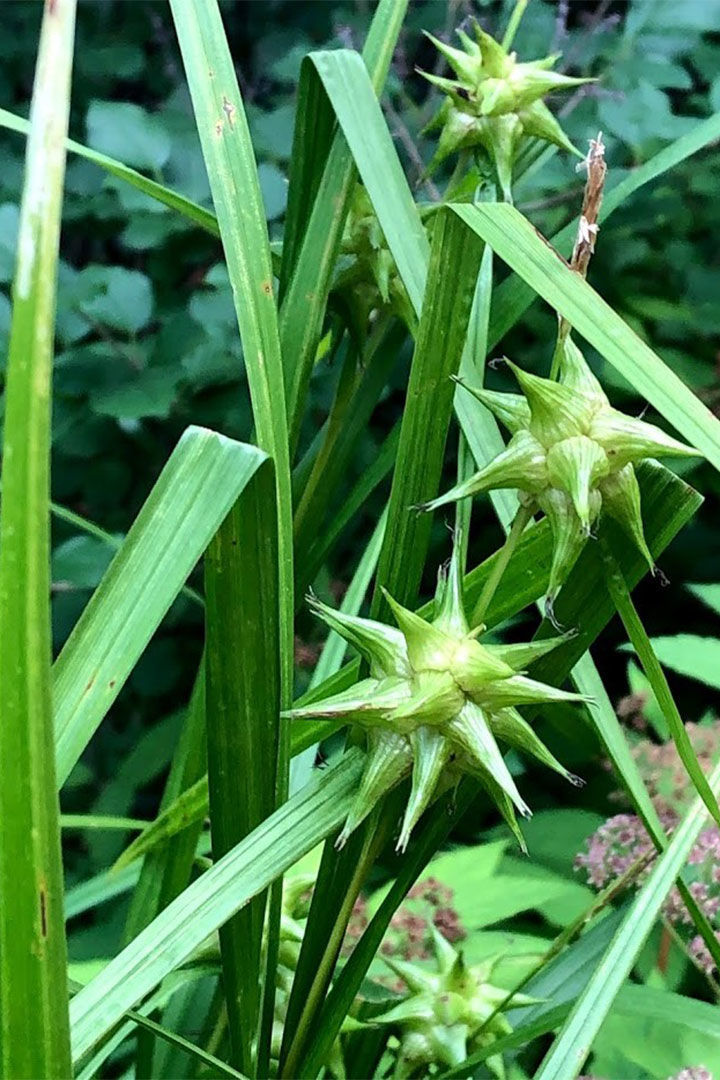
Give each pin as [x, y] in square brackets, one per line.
[292, 830]
[335, 647]
[166, 869]
[514, 296]
[201, 481]
[428, 409]
[33, 1004]
[567, 1054]
[243, 721]
[651, 666]
[228, 153]
[360, 117]
[370, 479]
[196, 214]
[515, 240]
[321, 183]
[363, 379]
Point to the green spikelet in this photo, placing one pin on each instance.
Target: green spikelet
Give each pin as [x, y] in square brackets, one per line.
[494, 103]
[435, 704]
[449, 1012]
[571, 454]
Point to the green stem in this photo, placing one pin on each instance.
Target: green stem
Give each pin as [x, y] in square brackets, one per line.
[563, 331]
[567, 934]
[349, 384]
[374, 838]
[620, 595]
[517, 14]
[520, 520]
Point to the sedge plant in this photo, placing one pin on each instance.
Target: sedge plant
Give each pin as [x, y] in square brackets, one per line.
[223, 969]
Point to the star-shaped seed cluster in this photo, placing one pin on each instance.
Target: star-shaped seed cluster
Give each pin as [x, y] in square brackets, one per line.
[571, 455]
[368, 279]
[447, 1013]
[495, 102]
[435, 703]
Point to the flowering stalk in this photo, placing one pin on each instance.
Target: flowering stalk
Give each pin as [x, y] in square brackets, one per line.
[587, 232]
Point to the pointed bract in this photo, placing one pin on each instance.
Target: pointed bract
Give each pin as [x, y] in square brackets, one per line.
[512, 728]
[428, 647]
[381, 645]
[556, 412]
[370, 702]
[520, 690]
[388, 762]
[576, 374]
[521, 655]
[569, 535]
[520, 465]
[471, 734]
[430, 753]
[512, 410]
[621, 500]
[575, 465]
[626, 439]
[449, 594]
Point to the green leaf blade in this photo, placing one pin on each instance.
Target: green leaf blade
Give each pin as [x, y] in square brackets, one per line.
[34, 1038]
[515, 240]
[202, 479]
[564, 1059]
[211, 900]
[243, 724]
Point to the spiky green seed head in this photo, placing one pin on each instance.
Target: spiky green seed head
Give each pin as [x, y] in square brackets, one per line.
[570, 456]
[495, 102]
[434, 704]
[368, 279]
[446, 1014]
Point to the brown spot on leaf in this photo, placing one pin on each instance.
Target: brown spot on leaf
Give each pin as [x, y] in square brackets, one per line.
[112, 682]
[43, 912]
[266, 288]
[229, 110]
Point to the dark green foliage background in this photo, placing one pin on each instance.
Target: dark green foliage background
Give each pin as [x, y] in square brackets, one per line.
[147, 340]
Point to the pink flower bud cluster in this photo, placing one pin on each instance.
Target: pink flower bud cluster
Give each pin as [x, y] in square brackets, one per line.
[409, 936]
[622, 841]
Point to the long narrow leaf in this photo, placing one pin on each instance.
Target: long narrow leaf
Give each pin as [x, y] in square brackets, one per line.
[196, 214]
[428, 409]
[166, 869]
[515, 240]
[514, 296]
[227, 149]
[321, 184]
[352, 96]
[567, 1054]
[201, 481]
[656, 677]
[243, 721]
[292, 830]
[33, 1000]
